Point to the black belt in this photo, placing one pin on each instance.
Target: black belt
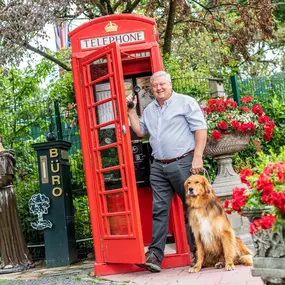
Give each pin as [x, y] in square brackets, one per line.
[166, 161]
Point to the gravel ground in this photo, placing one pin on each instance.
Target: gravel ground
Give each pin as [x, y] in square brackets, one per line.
[63, 280]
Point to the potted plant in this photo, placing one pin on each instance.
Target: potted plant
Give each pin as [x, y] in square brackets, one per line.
[230, 128]
[263, 201]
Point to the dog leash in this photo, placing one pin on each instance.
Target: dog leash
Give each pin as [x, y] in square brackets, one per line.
[205, 173]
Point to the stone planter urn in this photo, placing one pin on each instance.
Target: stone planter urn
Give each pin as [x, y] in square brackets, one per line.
[222, 151]
[269, 261]
[269, 245]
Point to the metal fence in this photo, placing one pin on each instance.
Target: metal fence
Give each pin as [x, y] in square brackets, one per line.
[262, 86]
[20, 134]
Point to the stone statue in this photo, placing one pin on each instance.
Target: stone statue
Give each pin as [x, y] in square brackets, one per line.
[14, 254]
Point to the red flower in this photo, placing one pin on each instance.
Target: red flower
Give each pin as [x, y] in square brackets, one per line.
[244, 174]
[245, 127]
[266, 222]
[236, 125]
[263, 119]
[278, 200]
[216, 135]
[222, 125]
[246, 99]
[256, 109]
[239, 196]
[230, 103]
[219, 102]
[207, 110]
[211, 102]
[221, 109]
[244, 108]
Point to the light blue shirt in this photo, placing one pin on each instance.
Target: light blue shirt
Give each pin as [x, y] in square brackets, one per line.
[172, 127]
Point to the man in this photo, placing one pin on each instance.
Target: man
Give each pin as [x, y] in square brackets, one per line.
[178, 135]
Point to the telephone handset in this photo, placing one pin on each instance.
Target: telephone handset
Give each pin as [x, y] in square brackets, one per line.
[131, 104]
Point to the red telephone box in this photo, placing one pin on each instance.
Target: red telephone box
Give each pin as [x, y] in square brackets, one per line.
[110, 55]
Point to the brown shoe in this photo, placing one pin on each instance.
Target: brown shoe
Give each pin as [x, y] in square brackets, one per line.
[152, 264]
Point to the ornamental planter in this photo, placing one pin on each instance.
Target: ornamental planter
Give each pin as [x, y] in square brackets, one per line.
[269, 245]
[269, 261]
[222, 151]
[254, 214]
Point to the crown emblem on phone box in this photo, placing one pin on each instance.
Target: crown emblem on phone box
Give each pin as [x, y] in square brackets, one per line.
[111, 27]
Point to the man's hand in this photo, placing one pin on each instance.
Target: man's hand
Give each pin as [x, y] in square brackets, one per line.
[200, 140]
[197, 164]
[131, 99]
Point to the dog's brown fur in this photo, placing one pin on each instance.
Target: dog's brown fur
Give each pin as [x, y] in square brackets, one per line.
[215, 239]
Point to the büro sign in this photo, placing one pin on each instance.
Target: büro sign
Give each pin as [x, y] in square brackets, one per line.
[55, 170]
[120, 39]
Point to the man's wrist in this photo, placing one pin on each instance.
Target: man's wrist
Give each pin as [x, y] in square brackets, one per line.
[132, 110]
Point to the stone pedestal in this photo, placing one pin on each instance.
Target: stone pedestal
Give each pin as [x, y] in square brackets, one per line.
[227, 179]
[269, 261]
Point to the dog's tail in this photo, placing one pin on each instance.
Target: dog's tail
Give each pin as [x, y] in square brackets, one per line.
[245, 254]
[246, 260]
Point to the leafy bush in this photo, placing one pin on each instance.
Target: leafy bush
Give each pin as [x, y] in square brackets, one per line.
[82, 217]
[274, 106]
[26, 184]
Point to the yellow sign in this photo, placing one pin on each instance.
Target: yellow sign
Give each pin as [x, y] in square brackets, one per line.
[55, 168]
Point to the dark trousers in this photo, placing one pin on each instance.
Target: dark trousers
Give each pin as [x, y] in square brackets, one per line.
[165, 180]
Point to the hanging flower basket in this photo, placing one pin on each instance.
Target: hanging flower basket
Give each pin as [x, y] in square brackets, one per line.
[228, 144]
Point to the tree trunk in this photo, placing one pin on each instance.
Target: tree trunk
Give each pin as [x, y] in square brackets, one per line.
[169, 27]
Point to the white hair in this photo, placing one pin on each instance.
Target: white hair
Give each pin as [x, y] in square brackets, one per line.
[160, 73]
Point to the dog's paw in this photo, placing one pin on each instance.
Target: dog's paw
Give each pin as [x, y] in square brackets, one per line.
[194, 269]
[219, 265]
[229, 267]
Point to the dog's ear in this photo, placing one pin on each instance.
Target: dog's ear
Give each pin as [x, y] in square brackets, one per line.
[207, 186]
[186, 183]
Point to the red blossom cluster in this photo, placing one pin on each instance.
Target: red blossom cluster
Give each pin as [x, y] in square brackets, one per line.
[239, 198]
[267, 188]
[264, 223]
[245, 173]
[219, 105]
[271, 176]
[224, 122]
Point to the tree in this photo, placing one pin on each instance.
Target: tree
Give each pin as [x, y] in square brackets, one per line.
[19, 90]
[234, 23]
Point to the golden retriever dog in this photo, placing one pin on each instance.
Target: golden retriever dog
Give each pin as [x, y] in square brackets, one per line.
[215, 239]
